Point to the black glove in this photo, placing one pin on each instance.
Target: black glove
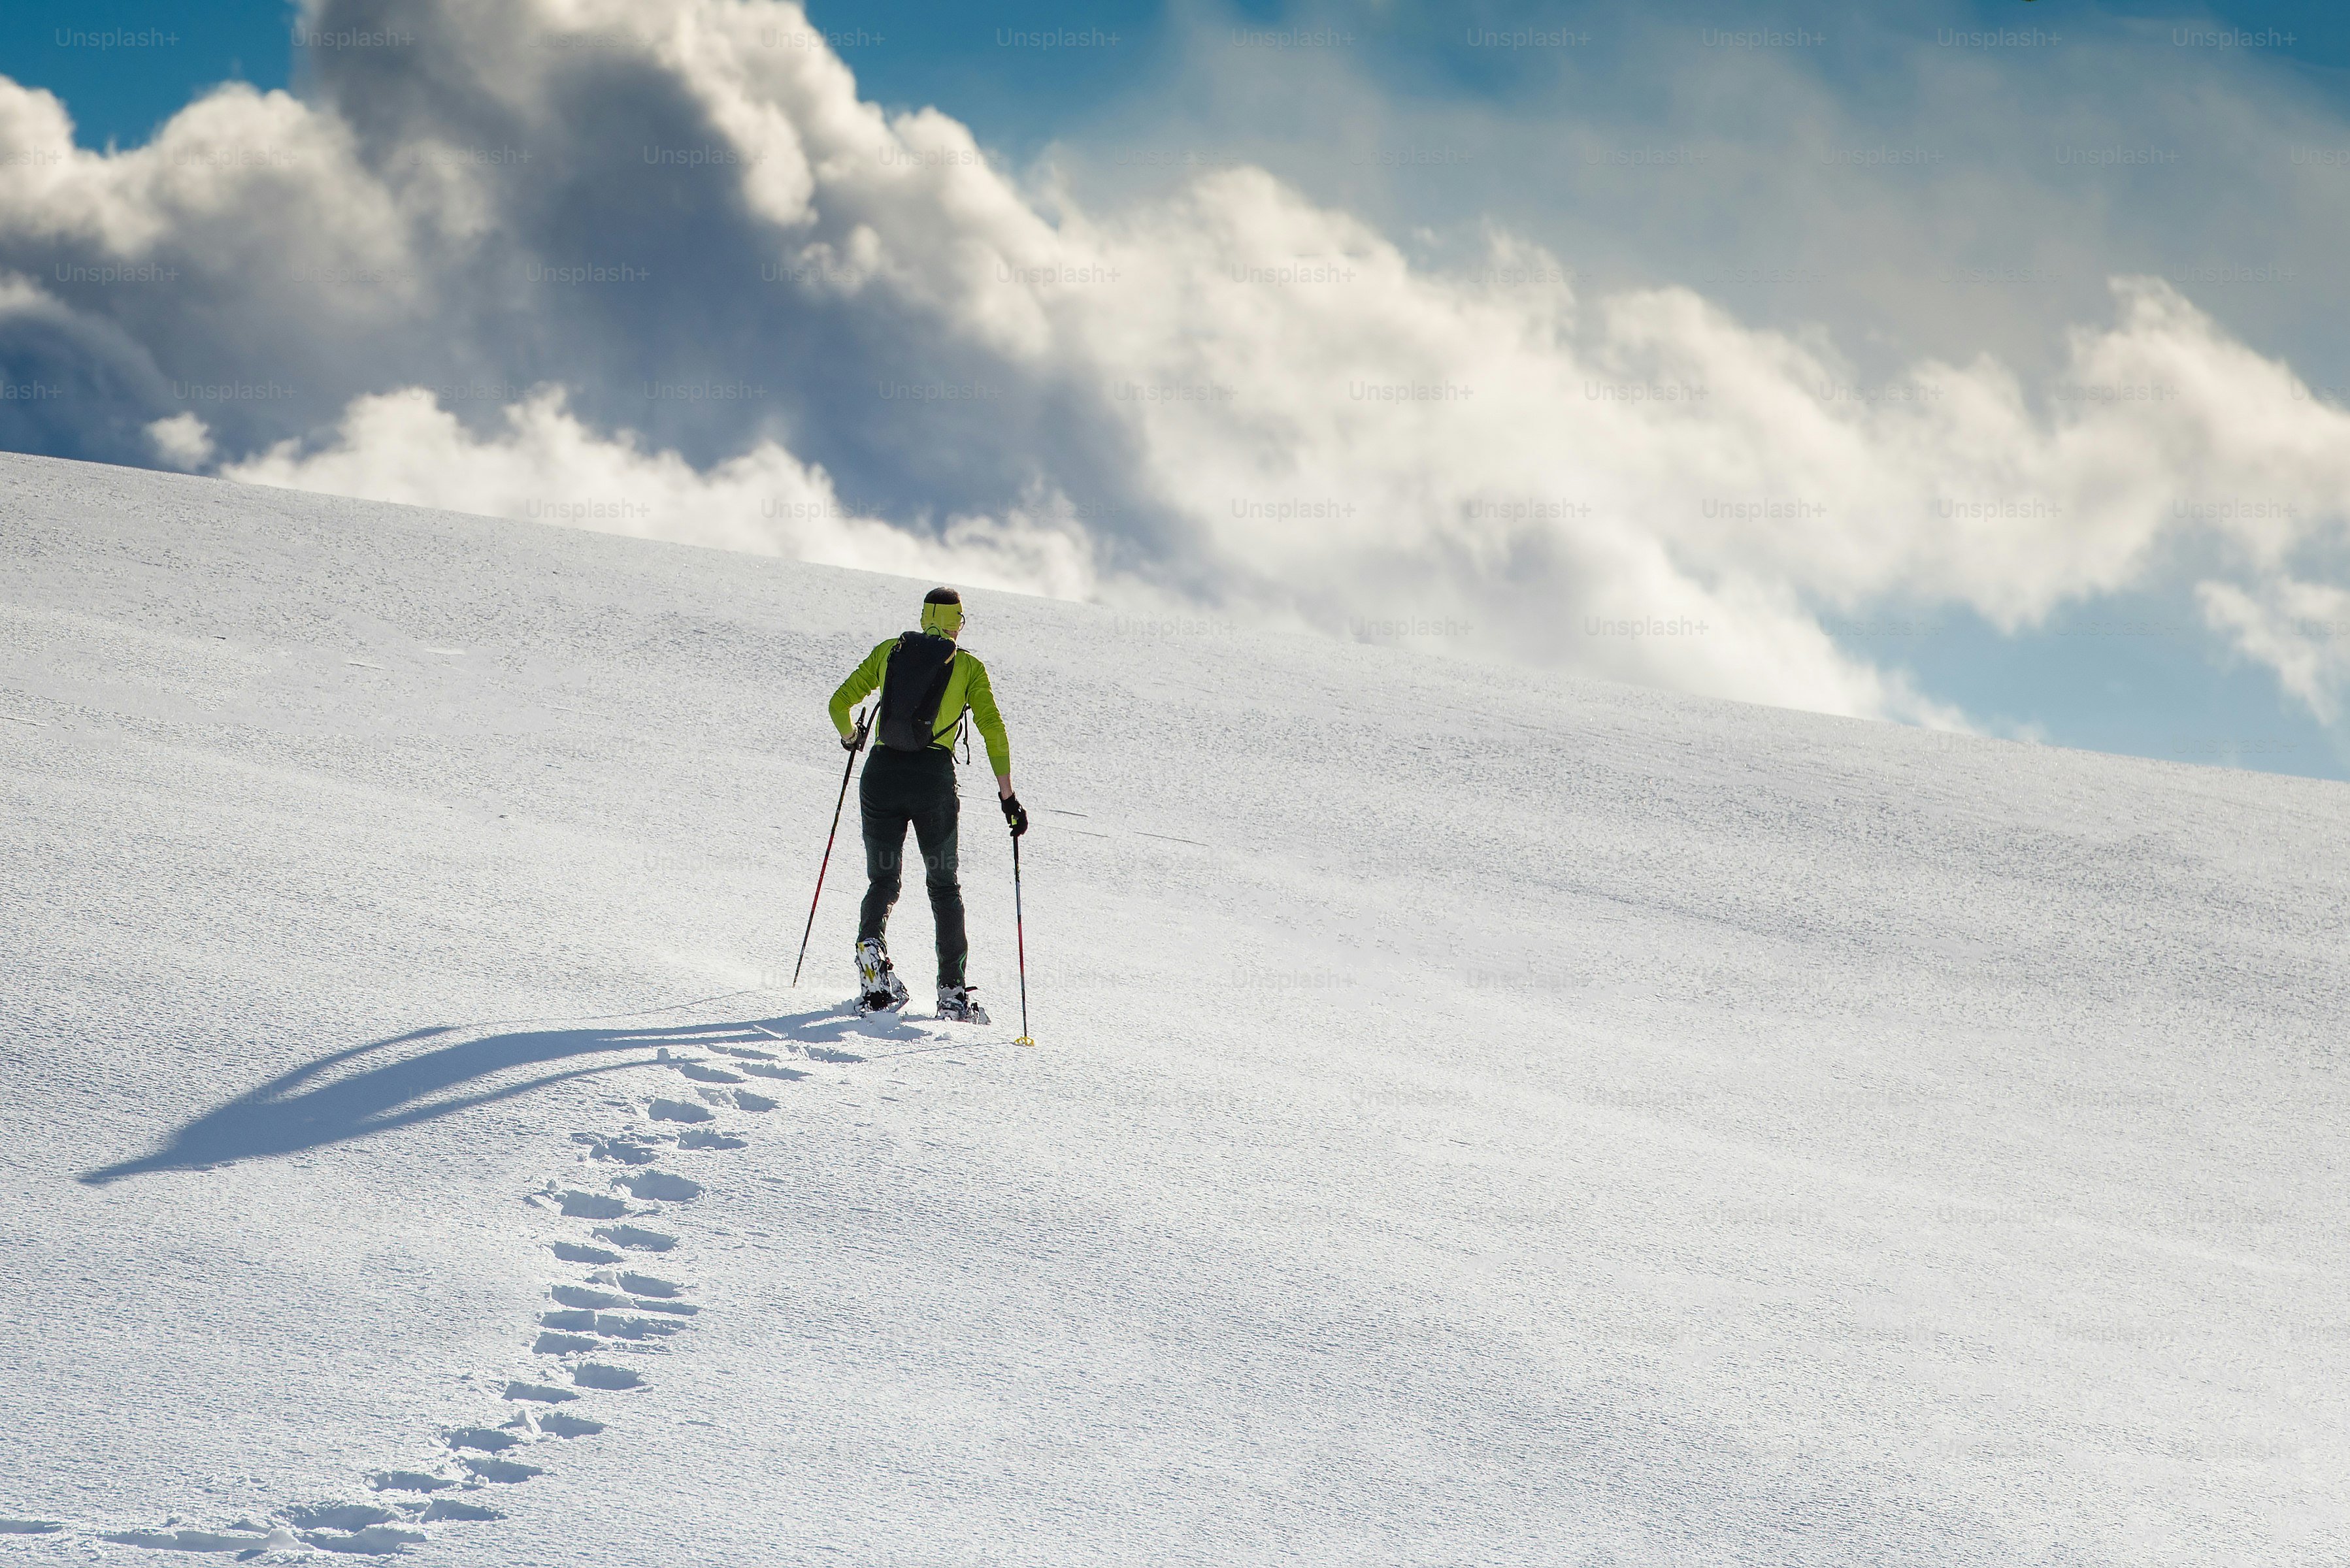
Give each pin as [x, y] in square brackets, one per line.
[1013, 815]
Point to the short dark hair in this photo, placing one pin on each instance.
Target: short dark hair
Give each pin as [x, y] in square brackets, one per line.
[943, 596]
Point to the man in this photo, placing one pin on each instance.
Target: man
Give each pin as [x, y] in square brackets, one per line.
[927, 685]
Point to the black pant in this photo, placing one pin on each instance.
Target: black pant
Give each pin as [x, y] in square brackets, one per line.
[900, 788]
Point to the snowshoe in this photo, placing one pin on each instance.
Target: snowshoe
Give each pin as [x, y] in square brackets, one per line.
[955, 1003]
[879, 987]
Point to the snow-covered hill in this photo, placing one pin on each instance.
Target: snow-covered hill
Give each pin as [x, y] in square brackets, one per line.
[1476, 1118]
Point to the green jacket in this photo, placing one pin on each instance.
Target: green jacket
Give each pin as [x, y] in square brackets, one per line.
[967, 687]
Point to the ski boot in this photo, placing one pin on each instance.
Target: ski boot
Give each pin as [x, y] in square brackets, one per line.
[879, 987]
[955, 1003]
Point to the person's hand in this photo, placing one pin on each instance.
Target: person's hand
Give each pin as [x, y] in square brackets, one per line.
[851, 743]
[1013, 815]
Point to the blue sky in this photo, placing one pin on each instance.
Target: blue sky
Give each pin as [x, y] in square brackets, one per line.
[120, 88]
[2135, 671]
[947, 55]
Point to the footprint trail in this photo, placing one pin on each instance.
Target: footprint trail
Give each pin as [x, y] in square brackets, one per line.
[588, 1351]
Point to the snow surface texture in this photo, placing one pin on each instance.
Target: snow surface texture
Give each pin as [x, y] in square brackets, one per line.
[1476, 1118]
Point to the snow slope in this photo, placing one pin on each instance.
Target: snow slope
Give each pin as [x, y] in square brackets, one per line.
[1477, 1118]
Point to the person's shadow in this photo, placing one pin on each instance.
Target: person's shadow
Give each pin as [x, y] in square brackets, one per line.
[315, 1104]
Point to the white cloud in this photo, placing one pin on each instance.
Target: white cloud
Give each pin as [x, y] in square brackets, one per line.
[2300, 630]
[181, 442]
[1225, 393]
[544, 465]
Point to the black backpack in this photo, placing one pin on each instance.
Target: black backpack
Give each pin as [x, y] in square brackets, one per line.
[911, 689]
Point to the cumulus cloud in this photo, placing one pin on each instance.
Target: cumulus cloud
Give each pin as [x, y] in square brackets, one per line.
[546, 465]
[651, 266]
[181, 441]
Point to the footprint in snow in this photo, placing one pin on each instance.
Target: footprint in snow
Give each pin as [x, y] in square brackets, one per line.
[588, 1206]
[28, 1527]
[563, 1426]
[245, 1544]
[612, 1325]
[703, 1072]
[541, 1393]
[449, 1508]
[487, 1439]
[574, 1252]
[769, 1070]
[636, 1239]
[375, 1541]
[656, 1185]
[701, 1138]
[344, 1516]
[356, 1527]
[646, 1285]
[596, 1374]
[626, 1150]
[687, 1111]
[583, 1296]
[507, 1473]
[596, 1300]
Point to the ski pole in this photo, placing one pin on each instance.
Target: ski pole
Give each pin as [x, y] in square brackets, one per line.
[829, 837]
[1019, 929]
